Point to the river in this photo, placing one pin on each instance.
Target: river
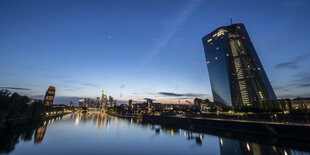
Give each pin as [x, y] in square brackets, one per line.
[98, 133]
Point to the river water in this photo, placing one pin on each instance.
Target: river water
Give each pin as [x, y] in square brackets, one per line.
[98, 133]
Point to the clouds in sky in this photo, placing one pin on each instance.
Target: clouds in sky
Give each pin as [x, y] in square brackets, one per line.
[169, 94]
[293, 64]
[170, 32]
[15, 88]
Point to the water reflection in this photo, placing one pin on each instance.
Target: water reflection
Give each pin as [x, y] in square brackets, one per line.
[10, 136]
[231, 146]
[40, 132]
[119, 131]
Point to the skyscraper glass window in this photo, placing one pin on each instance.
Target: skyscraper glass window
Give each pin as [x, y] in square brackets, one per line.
[236, 74]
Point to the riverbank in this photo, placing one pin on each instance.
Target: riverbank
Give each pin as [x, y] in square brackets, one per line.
[123, 115]
[270, 129]
[22, 121]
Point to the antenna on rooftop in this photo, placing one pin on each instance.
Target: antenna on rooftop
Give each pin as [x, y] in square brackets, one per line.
[230, 19]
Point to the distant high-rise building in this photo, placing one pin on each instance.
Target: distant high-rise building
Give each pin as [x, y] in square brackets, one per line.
[81, 103]
[104, 99]
[49, 96]
[110, 101]
[98, 102]
[236, 74]
[149, 105]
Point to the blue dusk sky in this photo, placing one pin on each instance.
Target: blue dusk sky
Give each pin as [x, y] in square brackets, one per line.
[133, 49]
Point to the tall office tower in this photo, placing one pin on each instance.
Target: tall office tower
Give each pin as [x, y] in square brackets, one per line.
[98, 102]
[236, 74]
[49, 96]
[103, 99]
[110, 102]
[81, 103]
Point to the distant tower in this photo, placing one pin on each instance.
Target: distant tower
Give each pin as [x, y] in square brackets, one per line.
[236, 74]
[71, 103]
[149, 105]
[110, 101]
[81, 103]
[49, 96]
[103, 99]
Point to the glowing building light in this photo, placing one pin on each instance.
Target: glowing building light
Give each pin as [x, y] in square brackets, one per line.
[211, 43]
[243, 37]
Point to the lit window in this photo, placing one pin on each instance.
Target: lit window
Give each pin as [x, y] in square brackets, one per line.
[216, 58]
[211, 43]
[227, 54]
[258, 69]
[208, 62]
[210, 40]
[220, 33]
[217, 48]
[261, 95]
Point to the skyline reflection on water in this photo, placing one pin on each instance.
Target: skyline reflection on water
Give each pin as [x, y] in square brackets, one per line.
[98, 133]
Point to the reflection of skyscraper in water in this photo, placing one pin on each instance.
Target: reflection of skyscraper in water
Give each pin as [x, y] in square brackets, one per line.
[229, 146]
[100, 122]
[235, 147]
[261, 149]
[198, 137]
[40, 132]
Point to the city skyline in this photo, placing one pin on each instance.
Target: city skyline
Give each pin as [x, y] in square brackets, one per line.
[136, 52]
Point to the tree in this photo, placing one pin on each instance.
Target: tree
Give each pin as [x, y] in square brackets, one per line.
[289, 104]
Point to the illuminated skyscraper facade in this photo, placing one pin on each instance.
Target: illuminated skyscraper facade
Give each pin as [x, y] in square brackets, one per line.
[49, 96]
[236, 74]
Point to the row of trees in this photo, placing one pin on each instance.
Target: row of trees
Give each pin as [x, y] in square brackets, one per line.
[15, 108]
[273, 106]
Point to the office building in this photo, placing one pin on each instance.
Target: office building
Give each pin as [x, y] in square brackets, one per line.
[236, 74]
[49, 96]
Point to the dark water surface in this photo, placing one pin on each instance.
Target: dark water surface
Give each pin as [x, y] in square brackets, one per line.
[97, 133]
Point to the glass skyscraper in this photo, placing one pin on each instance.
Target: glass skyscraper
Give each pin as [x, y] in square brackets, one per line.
[236, 74]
